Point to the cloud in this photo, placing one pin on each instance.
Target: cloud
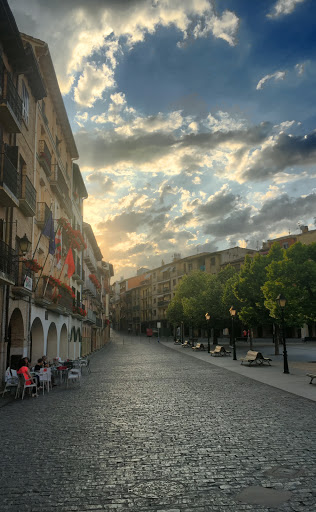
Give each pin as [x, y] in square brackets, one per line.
[282, 152]
[81, 119]
[218, 205]
[300, 68]
[92, 83]
[278, 75]
[283, 7]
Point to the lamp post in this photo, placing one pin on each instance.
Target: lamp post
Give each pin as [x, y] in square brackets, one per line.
[233, 314]
[281, 300]
[207, 318]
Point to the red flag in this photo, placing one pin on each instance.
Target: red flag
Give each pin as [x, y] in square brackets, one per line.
[70, 262]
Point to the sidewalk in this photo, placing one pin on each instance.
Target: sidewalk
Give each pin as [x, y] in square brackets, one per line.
[295, 382]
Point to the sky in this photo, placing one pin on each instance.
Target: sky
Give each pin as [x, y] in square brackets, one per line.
[194, 119]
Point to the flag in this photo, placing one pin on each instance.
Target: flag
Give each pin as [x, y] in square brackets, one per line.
[58, 248]
[50, 233]
[70, 262]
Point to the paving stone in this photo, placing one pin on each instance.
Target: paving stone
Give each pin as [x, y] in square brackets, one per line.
[152, 429]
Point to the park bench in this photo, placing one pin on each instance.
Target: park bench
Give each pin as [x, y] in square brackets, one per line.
[198, 346]
[186, 344]
[312, 376]
[220, 351]
[255, 357]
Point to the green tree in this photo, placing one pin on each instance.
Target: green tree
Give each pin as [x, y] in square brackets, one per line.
[248, 288]
[295, 277]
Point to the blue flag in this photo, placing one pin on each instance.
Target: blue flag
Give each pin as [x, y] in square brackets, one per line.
[50, 233]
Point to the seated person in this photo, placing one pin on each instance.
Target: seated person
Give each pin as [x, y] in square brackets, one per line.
[39, 365]
[45, 362]
[25, 371]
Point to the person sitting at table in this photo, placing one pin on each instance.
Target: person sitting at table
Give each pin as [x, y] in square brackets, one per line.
[45, 362]
[25, 371]
[39, 365]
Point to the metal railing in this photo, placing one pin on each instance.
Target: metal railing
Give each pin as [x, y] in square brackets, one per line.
[42, 214]
[45, 157]
[11, 96]
[28, 192]
[8, 174]
[7, 261]
[91, 316]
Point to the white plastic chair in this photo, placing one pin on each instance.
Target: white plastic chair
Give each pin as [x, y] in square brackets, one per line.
[74, 375]
[22, 383]
[11, 380]
[45, 377]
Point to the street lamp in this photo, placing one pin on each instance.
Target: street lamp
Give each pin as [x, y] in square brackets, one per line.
[233, 314]
[207, 318]
[281, 300]
[24, 245]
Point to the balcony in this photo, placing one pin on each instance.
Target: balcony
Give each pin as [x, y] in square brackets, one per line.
[7, 268]
[89, 288]
[9, 190]
[67, 205]
[77, 274]
[45, 157]
[89, 259]
[91, 317]
[162, 303]
[58, 183]
[65, 301]
[42, 214]
[24, 283]
[44, 293]
[10, 104]
[98, 322]
[27, 196]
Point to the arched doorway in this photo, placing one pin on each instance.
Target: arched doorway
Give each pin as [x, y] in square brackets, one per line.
[63, 343]
[52, 348]
[37, 340]
[15, 347]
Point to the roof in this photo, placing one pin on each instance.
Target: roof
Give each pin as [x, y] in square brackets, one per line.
[79, 180]
[10, 38]
[94, 244]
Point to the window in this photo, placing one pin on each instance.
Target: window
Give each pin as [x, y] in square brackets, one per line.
[285, 245]
[212, 261]
[190, 266]
[154, 301]
[25, 103]
[174, 282]
[154, 312]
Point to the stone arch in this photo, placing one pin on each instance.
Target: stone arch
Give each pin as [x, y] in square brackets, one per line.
[52, 348]
[15, 347]
[63, 343]
[37, 340]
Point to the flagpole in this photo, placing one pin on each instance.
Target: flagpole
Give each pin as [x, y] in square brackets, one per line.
[39, 239]
[38, 280]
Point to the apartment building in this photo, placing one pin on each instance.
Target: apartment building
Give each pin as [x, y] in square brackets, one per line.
[306, 237]
[43, 241]
[144, 299]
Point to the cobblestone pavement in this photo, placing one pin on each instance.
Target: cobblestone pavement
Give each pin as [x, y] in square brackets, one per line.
[154, 430]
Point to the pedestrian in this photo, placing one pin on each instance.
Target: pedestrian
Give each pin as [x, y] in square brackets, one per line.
[25, 371]
[244, 333]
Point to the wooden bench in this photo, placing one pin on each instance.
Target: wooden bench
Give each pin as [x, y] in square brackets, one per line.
[312, 376]
[186, 344]
[255, 357]
[220, 351]
[198, 346]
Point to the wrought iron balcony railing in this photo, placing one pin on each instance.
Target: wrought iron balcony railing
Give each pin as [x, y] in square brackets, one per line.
[10, 104]
[42, 214]
[9, 187]
[7, 266]
[45, 157]
[27, 196]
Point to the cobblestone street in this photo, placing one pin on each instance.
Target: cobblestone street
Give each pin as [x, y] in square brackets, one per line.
[152, 429]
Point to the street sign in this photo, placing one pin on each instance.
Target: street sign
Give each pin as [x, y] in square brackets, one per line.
[28, 283]
[158, 325]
